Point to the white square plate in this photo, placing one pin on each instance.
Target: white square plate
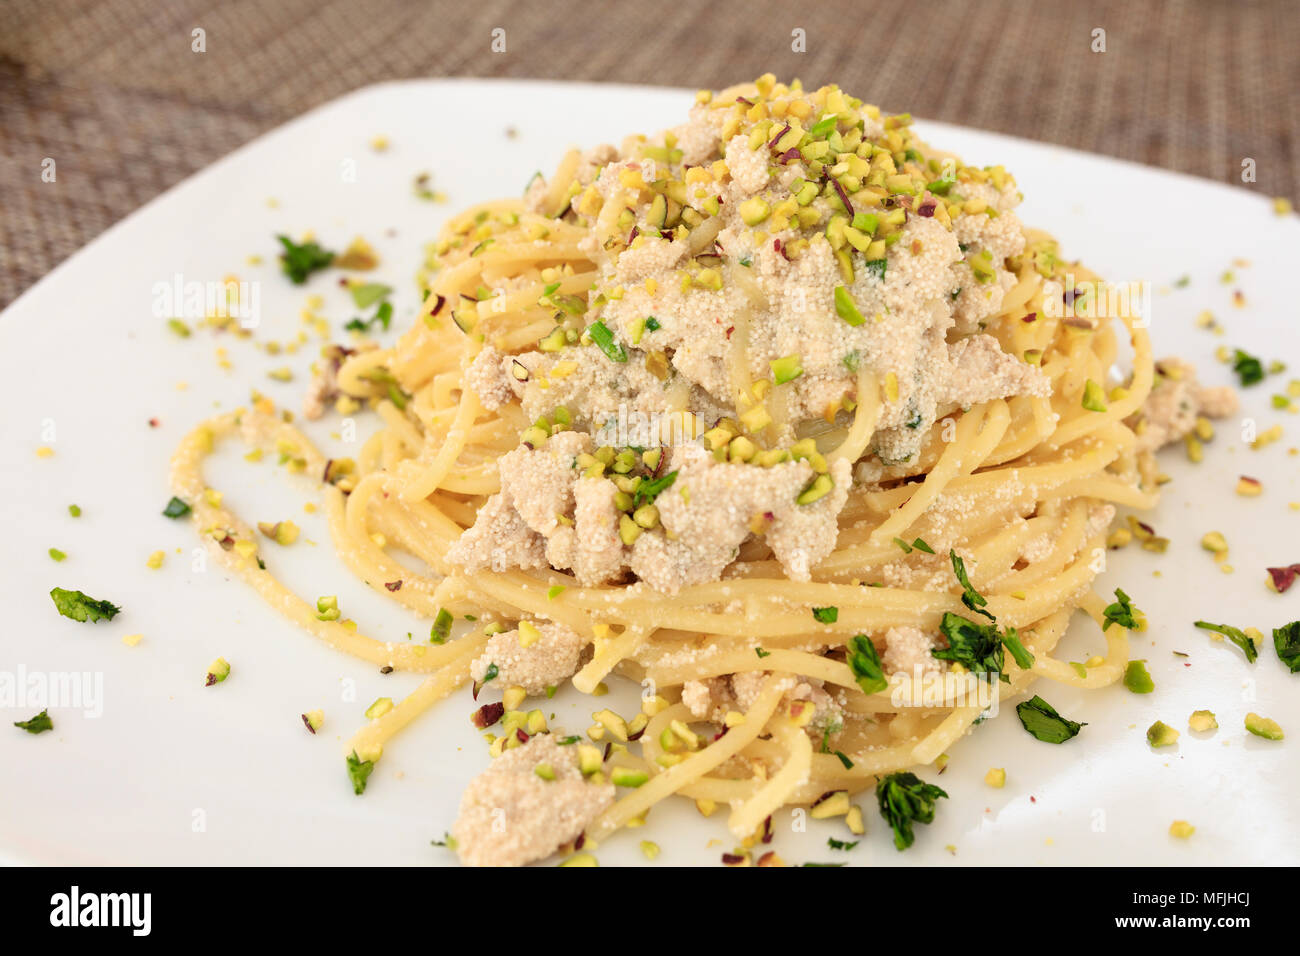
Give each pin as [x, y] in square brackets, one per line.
[165, 770]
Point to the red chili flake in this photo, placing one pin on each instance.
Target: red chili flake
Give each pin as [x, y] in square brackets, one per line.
[1033, 799]
[307, 723]
[343, 282]
[780, 248]
[438, 303]
[487, 715]
[767, 830]
[523, 737]
[579, 843]
[393, 585]
[1283, 578]
[226, 543]
[1031, 317]
[730, 329]
[769, 516]
[777, 138]
[154, 423]
[927, 208]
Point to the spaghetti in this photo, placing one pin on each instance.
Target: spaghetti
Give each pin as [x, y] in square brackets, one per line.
[1021, 485]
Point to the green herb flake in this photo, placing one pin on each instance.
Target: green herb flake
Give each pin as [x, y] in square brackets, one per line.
[826, 615]
[1023, 657]
[74, 510]
[604, 339]
[977, 647]
[81, 607]
[835, 844]
[57, 555]
[865, 664]
[1248, 368]
[176, 509]
[922, 546]
[358, 772]
[38, 724]
[762, 653]
[1042, 721]
[1286, 640]
[298, 261]
[648, 491]
[906, 799]
[1121, 612]
[970, 597]
[1236, 636]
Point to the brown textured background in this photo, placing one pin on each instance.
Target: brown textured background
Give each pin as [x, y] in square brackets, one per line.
[111, 90]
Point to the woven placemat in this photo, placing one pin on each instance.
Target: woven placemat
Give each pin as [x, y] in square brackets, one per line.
[113, 92]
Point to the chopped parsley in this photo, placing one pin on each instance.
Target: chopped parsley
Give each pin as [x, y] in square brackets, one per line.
[848, 764]
[652, 324]
[300, 261]
[383, 315]
[922, 546]
[1121, 612]
[970, 597]
[38, 724]
[82, 607]
[1248, 368]
[864, 662]
[906, 799]
[358, 772]
[976, 647]
[826, 615]
[1236, 636]
[1041, 719]
[604, 339]
[835, 844]
[1286, 639]
[877, 268]
[1019, 653]
[762, 653]
[176, 508]
[648, 491]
